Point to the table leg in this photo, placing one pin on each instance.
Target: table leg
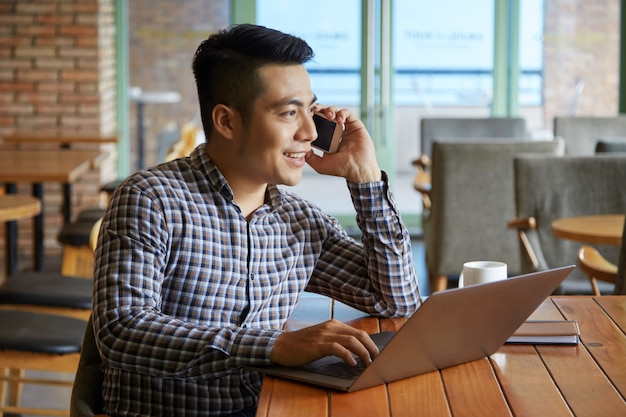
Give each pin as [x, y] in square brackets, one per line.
[11, 238]
[140, 136]
[38, 225]
[67, 203]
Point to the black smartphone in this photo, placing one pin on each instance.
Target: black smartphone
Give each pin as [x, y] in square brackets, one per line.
[328, 134]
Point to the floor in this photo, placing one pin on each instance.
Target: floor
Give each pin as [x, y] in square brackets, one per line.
[331, 195]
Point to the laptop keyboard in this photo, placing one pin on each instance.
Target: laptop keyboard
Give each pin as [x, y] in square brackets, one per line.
[338, 369]
[335, 367]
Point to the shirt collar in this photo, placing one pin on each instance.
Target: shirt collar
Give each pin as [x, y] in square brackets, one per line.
[201, 161]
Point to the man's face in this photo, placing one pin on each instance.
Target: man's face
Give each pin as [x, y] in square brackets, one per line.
[273, 144]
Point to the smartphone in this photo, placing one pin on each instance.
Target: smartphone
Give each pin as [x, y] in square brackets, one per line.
[328, 134]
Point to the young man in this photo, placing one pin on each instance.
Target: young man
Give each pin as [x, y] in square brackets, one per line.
[201, 260]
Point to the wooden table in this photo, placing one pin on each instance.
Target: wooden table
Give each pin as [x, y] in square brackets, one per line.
[12, 208]
[518, 380]
[600, 228]
[16, 207]
[38, 166]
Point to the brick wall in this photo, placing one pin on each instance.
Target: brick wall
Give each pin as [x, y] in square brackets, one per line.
[164, 36]
[57, 73]
[581, 44]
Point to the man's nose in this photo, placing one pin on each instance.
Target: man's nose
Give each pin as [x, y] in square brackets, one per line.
[307, 131]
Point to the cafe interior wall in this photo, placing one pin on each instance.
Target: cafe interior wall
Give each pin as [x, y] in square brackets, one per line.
[58, 71]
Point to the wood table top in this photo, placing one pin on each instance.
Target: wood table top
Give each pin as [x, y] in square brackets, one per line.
[588, 379]
[600, 228]
[53, 165]
[16, 207]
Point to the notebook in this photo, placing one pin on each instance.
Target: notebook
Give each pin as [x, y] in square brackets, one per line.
[451, 327]
[550, 332]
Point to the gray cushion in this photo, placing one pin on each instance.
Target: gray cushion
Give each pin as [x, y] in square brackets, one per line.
[611, 145]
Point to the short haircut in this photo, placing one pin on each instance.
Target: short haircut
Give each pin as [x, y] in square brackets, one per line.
[226, 66]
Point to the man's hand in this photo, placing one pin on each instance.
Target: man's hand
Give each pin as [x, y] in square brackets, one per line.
[332, 337]
[356, 158]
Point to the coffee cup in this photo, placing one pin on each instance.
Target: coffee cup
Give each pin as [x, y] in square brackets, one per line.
[481, 272]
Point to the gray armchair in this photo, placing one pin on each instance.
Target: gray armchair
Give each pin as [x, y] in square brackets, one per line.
[459, 129]
[472, 200]
[582, 133]
[548, 188]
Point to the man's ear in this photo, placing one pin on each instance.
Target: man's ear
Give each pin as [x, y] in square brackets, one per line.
[225, 121]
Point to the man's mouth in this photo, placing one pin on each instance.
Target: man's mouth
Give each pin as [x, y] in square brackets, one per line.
[295, 155]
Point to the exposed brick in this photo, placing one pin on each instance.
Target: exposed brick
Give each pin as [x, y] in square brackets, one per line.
[71, 75]
[63, 87]
[57, 109]
[53, 63]
[78, 53]
[78, 30]
[59, 41]
[34, 51]
[23, 7]
[13, 86]
[36, 98]
[16, 63]
[8, 41]
[30, 122]
[57, 19]
[37, 76]
[17, 109]
[16, 19]
[81, 98]
[35, 30]
[6, 75]
[90, 6]
[6, 120]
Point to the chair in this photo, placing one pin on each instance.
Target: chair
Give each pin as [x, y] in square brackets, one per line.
[593, 264]
[596, 267]
[86, 399]
[472, 200]
[459, 129]
[32, 304]
[51, 292]
[610, 145]
[547, 188]
[39, 342]
[77, 255]
[582, 133]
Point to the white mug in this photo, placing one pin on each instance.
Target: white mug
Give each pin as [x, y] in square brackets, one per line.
[480, 272]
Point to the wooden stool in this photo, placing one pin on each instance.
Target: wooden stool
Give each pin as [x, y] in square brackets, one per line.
[36, 341]
[77, 260]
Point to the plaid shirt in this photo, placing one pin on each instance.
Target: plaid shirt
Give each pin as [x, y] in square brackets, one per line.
[187, 292]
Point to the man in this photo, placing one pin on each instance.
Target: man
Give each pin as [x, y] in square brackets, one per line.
[201, 260]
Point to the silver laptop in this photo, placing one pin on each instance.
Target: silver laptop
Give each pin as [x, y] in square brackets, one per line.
[451, 327]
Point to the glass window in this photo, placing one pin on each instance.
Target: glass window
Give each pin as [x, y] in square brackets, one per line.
[333, 29]
[443, 58]
[531, 52]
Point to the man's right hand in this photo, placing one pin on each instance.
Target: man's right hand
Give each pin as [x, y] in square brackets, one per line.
[331, 337]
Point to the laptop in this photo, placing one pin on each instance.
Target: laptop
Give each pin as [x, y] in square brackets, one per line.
[451, 327]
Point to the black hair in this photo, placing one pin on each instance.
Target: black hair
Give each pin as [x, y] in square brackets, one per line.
[225, 66]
